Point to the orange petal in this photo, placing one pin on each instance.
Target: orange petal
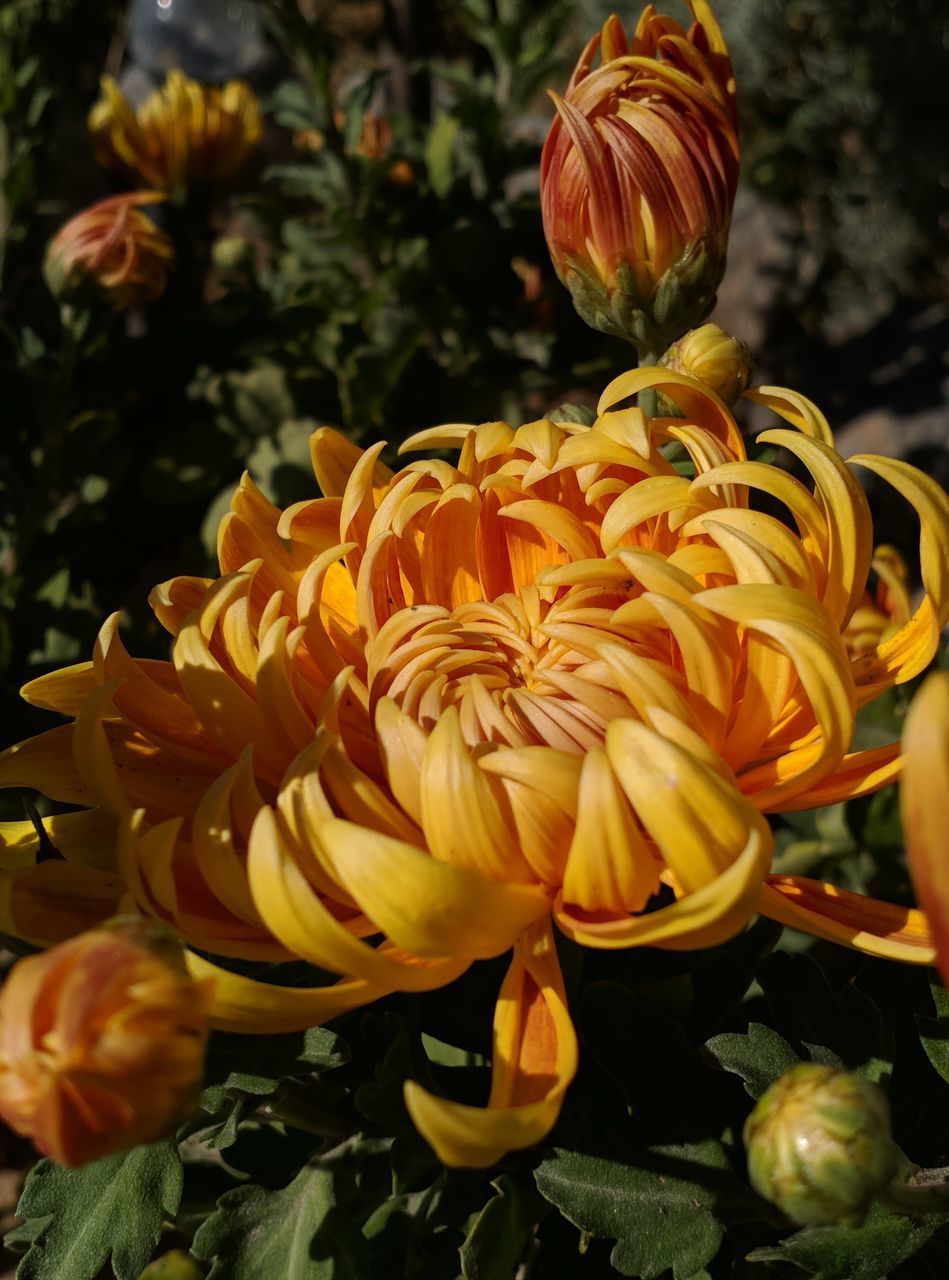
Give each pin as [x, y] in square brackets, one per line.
[866, 924]
[923, 795]
[534, 1060]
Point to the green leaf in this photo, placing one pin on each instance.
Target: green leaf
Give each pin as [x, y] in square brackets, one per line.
[758, 1057]
[934, 1032]
[661, 1211]
[870, 1252]
[250, 1068]
[115, 1207]
[809, 1012]
[299, 1232]
[499, 1234]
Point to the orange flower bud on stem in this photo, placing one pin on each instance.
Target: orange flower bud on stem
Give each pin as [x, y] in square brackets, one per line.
[112, 251]
[638, 177]
[102, 1042]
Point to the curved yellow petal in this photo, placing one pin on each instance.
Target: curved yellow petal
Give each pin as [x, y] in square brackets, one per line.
[710, 915]
[302, 922]
[242, 1004]
[698, 820]
[46, 762]
[429, 908]
[849, 526]
[461, 816]
[609, 866]
[859, 773]
[693, 397]
[801, 627]
[866, 924]
[51, 901]
[534, 1060]
[931, 504]
[794, 408]
[64, 691]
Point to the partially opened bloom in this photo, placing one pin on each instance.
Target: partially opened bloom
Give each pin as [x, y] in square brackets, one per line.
[924, 804]
[113, 251]
[418, 719]
[101, 1042]
[185, 132]
[638, 177]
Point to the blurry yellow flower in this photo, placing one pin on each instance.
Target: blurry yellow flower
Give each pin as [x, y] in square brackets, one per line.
[101, 1042]
[924, 804]
[111, 250]
[638, 177]
[444, 706]
[714, 357]
[183, 133]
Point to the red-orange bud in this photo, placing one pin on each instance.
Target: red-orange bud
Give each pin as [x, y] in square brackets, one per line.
[111, 249]
[638, 177]
[102, 1042]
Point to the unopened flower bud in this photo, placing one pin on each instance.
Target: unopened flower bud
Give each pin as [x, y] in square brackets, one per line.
[112, 251]
[638, 177]
[176, 1265]
[819, 1145]
[102, 1042]
[714, 357]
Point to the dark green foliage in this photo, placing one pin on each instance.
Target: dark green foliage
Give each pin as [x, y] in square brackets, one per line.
[299, 1232]
[660, 1208]
[77, 1219]
[870, 1252]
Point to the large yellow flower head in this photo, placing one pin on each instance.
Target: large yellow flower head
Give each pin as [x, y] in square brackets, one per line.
[421, 717]
[184, 132]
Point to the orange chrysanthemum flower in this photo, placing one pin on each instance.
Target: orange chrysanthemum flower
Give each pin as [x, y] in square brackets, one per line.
[101, 1042]
[638, 177]
[111, 250]
[184, 132]
[421, 717]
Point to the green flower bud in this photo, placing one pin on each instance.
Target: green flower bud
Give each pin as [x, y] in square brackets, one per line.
[819, 1145]
[172, 1266]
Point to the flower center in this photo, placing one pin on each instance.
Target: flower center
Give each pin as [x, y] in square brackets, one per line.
[511, 666]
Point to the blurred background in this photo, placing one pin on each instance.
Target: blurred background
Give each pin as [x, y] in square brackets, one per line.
[380, 266]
